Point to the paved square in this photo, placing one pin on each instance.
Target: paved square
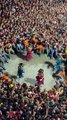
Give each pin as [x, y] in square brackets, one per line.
[31, 69]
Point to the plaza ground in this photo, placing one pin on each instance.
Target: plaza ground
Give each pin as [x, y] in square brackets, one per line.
[31, 69]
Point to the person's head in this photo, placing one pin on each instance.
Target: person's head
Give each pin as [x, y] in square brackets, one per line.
[40, 70]
[21, 64]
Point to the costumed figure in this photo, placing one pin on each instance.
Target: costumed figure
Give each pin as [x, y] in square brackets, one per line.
[20, 70]
[29, 54]
[40, 77]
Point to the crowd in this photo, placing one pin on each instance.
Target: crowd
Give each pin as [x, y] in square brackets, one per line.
[20, 102]
[38, 26]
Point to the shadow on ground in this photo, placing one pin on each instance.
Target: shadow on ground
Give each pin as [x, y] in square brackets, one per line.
[22, 56]
[30, 81]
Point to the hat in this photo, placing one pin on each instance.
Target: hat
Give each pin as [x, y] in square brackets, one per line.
[40, 70]
[21, 64]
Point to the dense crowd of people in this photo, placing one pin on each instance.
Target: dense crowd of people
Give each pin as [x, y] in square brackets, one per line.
[20, 102]
[37, 26]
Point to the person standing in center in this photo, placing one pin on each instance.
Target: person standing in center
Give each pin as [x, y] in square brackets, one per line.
[40, 77]
[21, 70]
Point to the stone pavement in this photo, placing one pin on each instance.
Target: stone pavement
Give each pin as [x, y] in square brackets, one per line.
[31, 69]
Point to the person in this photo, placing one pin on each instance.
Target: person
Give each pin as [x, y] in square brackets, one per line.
[29, 54]
[26, 44]
[65, 65]
[20, 70]
[55, 54]
[2, 65]
[40, 49]
[40, 77]
[59, 61]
